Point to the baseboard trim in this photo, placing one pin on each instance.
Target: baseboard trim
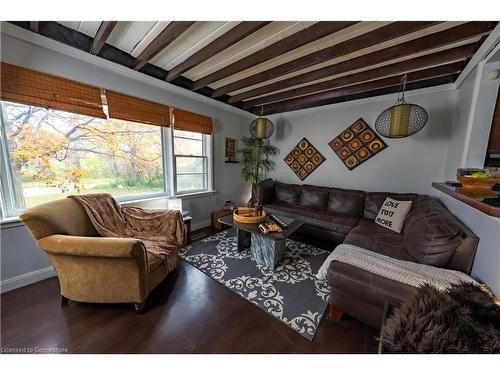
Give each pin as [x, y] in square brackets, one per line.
[26, 279]
[201, 224]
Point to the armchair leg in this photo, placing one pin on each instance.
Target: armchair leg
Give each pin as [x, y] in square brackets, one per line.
[64, 301]
[335, 313]
[139, 307]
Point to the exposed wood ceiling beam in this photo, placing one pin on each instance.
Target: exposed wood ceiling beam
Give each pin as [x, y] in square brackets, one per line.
[289, 104]
[102, 35]
[438, 58]
[237, 33]
[436, 81]
[296, 40]
[439, 39]
[379, 35]
[167, 36]
[34, 25]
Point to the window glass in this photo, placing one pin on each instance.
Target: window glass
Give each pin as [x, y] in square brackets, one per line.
[186, 164]
[184, 146]
[54, 154]
[186, 183]
[190, 161]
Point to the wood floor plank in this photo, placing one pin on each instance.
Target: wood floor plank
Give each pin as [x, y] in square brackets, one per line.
[188, 313]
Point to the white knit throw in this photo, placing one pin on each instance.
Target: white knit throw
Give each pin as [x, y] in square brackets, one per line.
[409, 273]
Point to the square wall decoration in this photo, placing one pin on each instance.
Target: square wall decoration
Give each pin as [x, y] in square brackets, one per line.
[304, 159]
[357, 144]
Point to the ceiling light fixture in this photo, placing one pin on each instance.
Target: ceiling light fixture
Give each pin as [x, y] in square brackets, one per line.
[402, 119]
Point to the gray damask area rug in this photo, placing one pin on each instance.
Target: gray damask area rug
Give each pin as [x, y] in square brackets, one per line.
[290, 293]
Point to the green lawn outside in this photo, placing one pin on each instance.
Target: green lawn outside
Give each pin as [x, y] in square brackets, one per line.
[34, 200]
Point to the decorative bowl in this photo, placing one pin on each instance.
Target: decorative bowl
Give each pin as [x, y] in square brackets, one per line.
[248, 215]
[471, 182]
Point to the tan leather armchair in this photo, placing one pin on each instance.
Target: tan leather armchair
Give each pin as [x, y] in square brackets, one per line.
[92, 268]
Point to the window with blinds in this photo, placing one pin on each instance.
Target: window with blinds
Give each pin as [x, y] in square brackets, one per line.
[57, 140]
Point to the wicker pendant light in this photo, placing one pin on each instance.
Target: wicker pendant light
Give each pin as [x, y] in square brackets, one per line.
[261, 127]
[402, 119]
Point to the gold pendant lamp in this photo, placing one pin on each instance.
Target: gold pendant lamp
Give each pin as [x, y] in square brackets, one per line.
[402, 119]
[261, 127]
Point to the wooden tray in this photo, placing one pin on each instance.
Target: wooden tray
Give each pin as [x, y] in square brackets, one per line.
[248, 215]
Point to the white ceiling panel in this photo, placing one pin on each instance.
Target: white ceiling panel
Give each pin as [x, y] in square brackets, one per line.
[153, 32]
[191, 41]
[262, 38]
[127, 34]
[196, 37]
[71, 24]
[89, 27]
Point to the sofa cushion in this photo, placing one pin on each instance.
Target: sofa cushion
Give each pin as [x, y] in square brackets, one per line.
[431, 236]
[374, 201]
[346, 202]
[263, 192]
[336, 223]
[286, 193]
[371, 236]
[313, 197]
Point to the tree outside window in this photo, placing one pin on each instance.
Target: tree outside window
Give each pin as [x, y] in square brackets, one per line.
[54, 154]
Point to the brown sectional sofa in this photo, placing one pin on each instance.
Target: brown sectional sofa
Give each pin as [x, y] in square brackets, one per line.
[431, 235]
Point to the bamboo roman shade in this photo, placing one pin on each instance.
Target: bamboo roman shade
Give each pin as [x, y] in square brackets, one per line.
[193, 122]
[29, 87]
[128, 108]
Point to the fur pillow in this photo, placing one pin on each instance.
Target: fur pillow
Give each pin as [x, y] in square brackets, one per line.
[463, 319]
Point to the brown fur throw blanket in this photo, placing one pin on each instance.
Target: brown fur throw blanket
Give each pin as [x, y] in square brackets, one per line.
[161, 231]
[465, 318]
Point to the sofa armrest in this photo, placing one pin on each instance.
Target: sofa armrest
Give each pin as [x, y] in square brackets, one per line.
[106, 247]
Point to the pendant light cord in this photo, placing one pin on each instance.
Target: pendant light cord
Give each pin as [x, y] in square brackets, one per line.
[402, 89]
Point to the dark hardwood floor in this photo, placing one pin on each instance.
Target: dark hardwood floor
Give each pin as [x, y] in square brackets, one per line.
[188, 313]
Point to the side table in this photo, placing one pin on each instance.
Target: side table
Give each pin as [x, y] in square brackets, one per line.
[216, 215]
[187, 227]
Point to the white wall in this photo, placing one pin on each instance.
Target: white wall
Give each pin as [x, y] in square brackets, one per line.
[457, 139]
[476, 99]
[21, 261]
[406, 165]
[487, 262]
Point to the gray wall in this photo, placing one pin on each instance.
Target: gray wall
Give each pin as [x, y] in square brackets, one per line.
[21, 261]
[406, 165]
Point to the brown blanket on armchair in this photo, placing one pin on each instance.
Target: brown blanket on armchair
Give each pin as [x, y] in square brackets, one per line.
[161, 231]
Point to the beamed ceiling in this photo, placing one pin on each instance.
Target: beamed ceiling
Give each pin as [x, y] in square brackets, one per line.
[273, 67]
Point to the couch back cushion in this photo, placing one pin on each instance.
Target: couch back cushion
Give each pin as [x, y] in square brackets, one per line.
[431, 236]
[286, 193]
[263, 192]
[374, 201]
[346, 202]
[62, 216]
[313, 197]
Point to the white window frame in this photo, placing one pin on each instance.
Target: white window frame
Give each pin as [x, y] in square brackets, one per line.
[8, 201]
[207, 155]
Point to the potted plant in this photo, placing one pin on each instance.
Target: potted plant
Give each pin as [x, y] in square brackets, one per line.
[256, 163]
